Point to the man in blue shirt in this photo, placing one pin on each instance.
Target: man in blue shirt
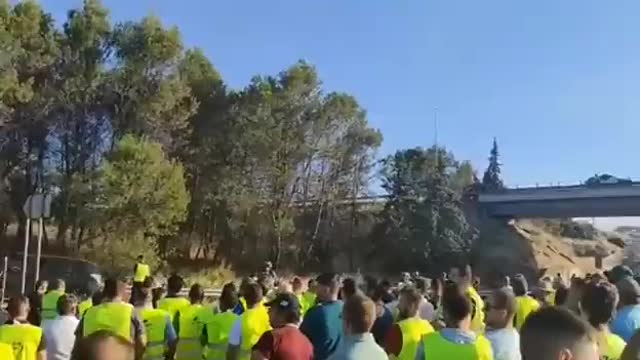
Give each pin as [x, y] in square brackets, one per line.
[627, 321]
[323, 324]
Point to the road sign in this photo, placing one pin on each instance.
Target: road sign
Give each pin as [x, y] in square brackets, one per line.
[37, 206]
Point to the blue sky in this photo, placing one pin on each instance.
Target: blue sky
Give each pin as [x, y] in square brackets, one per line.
[557, 82]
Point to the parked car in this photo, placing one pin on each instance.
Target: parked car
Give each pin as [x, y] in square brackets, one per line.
[81, 276]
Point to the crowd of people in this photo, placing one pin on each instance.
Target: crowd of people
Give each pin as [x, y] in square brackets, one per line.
[596, 317]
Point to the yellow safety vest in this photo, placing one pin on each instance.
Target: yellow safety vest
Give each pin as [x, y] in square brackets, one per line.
[255, 322]
[50, 304]
[142, 271]
[307, 300]
[218, 331]
[114, 317]
[610, 346]
[84, 306]
[413, 329]
[6, 352]
[173, 305]
[155, 324]
[477, 318]
[525, 305]
[438, 348]
[23, 338]
[550, 298]
[192, 321]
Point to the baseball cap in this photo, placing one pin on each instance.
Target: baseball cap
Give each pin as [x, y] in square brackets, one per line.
[285, 302]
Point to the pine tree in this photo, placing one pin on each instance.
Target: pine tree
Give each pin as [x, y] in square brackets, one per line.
[491, 180]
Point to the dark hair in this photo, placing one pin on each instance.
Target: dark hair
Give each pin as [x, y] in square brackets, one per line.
[359, 313]
[112, 288]
[562, 293]
[414, 298]
[88, 347]
[504, 299]
[196, 294]
[421, 284]
[549, 330]
[253, 294]
[229, 297]
[456, 305]
[96, 298]
[349, 287]
[519, 285]
[330, 280]
[15, 305]
[599, 301]
[67, 304]
[175, 283]
[39, 283]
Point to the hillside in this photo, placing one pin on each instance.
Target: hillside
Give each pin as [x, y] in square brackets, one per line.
[537, 247]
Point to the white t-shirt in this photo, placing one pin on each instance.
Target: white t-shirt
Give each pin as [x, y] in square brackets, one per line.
[59, 334]
[505, 344]
[426, 310]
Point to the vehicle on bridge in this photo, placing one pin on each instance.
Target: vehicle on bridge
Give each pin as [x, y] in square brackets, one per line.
[606, 180]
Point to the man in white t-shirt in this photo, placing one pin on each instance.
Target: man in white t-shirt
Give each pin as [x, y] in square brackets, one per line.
[426, 310]
[505, 341]
[60, 332]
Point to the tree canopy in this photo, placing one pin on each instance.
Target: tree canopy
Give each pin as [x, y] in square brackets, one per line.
[145, 147]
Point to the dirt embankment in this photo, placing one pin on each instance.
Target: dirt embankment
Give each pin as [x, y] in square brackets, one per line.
[536, 247]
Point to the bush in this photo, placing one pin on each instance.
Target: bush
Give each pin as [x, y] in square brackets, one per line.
[117, 257]
[210, 278]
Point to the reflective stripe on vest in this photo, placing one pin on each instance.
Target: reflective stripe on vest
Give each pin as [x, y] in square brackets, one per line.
[173, 305]
[23, 338]
[142, 271]
[218, 331]
[413, 329]
[50, 304]
[190, 329]
[525, 305]
[114, 317]
[155, 324]
[438, 348]
[6, 352]
[255, 322]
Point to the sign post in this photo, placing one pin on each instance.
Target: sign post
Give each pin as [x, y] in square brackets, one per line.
[37, 206]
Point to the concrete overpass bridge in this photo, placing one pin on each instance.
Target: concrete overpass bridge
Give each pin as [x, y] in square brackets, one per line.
[563, 201]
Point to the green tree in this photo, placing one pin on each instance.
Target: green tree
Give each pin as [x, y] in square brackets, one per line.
[422, 218]
[463, 176]
[491, 180]
[136, 197]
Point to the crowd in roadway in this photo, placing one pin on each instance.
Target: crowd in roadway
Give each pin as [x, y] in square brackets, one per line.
[596, 317]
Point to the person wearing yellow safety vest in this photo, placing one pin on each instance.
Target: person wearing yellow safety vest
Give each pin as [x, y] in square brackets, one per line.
[6, 352]
[189, 324]
[161, 336]
[598, 305]
[404, 337]
[173, 302]
[557, 333]
[50, 300]
[457, 340]
[525, 304]
[84, 305]
[296, 288]
[114, 315]
[505, 341]
[545, 293]
[250, 326]
[141, 271]
[285, 341]
[27, 341]
[218, 323]
[309, 296]
[463, 276]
